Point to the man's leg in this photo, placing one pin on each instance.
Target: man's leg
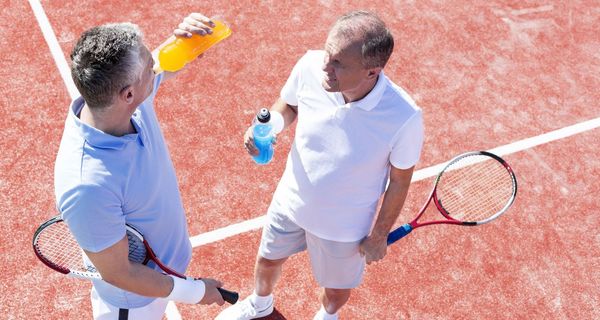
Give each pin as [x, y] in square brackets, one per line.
[260, 303]
[338, 267]
[281, 238]
[266, 274]
[333, 299]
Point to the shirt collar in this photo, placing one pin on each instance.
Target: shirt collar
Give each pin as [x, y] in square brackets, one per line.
[374, 96]
[98, 138]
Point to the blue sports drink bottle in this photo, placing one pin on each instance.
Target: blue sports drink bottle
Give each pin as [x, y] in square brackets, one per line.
[267, 125]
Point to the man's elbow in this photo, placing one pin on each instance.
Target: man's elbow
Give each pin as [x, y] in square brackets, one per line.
[115, 277]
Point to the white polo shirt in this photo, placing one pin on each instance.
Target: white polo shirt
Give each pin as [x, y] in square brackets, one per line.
[338, 166]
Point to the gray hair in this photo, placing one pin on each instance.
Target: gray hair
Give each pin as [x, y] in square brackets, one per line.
[377, 40]
[105, 60]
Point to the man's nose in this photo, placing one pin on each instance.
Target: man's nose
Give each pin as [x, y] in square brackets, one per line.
[326, 65]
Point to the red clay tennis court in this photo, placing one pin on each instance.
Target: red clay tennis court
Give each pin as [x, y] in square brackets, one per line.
[517, 77]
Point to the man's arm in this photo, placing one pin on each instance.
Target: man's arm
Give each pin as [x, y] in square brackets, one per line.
[374, 246]
[114, 266]
[289, 114]
[195, 23]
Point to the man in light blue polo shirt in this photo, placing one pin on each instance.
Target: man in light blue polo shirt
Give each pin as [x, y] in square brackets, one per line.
[354, 129]
[113, 168]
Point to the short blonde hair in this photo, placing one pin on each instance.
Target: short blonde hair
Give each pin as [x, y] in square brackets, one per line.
[377, 40]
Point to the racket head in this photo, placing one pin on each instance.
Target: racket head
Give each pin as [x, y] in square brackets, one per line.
[138, 251]
[54, 244]
[56, 247]
[475, 188]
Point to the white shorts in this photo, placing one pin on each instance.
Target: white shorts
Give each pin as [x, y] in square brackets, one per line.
[335, 265]
[102, 310]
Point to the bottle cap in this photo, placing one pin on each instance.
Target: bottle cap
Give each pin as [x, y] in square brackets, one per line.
[263, 115]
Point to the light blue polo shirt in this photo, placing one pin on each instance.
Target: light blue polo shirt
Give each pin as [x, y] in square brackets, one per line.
[102, 182]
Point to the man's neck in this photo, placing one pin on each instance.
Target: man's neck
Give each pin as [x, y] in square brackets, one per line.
[360, 92]
[108, 120]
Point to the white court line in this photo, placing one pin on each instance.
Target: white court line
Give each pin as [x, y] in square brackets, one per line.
[256, 223]
[172, 312]
[55, 50]
[229, 231]
[252, 224]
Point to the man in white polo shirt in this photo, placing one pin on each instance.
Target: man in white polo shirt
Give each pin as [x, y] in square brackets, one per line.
[355, 129]
[113, 168]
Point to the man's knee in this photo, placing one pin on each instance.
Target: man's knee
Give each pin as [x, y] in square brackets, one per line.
[268, 263]
[337, 295]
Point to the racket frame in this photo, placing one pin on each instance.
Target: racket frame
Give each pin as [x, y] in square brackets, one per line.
[227, 295]
[405, 229]
[62, 269]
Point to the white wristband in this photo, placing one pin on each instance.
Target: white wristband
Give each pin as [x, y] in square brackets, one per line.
[187, 290]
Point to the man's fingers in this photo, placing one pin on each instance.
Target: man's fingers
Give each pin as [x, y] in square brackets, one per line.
[181, 33]
[201, 18]
[195, 23]
[250, 147]
[361, 250]
[195, 26]
[184, 26]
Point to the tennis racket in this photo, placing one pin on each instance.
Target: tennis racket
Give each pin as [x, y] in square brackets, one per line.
[472, 189]
[56, 247]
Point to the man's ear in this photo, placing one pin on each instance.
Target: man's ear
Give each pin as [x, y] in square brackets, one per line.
[373, 73]
[126, 94]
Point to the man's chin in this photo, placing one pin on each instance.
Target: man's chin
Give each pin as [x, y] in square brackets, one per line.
[328, 87]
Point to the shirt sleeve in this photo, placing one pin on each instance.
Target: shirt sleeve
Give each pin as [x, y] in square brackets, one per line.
[291, 86]
[406, 150]
[157, 82]
[94, 216]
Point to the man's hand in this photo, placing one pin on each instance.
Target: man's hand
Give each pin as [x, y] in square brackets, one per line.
[373, 249]
[212, 295]
[195, 23]
[249, 142]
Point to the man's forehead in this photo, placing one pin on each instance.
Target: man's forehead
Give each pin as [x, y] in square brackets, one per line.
[338, 42]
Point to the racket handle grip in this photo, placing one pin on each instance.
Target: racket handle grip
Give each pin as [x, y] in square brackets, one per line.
[399, 233]
[229, 296]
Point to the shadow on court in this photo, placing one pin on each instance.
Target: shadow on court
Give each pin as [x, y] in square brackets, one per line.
[276, 315]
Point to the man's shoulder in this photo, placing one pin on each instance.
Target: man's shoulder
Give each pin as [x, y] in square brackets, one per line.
[308, 67]
[311, 58]
[314, 54]
[398, 96]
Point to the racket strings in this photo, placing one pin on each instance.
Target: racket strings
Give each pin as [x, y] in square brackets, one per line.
[137, 250]
[58, 246]
[475, 188]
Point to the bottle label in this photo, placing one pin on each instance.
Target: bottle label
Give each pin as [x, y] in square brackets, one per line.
[263, 140]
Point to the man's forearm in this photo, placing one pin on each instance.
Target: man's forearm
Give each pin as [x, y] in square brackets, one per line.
[142, 280]
[116, 269]
[393, 201]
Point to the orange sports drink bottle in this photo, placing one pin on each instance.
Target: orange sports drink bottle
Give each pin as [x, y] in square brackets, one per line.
[178, 53]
